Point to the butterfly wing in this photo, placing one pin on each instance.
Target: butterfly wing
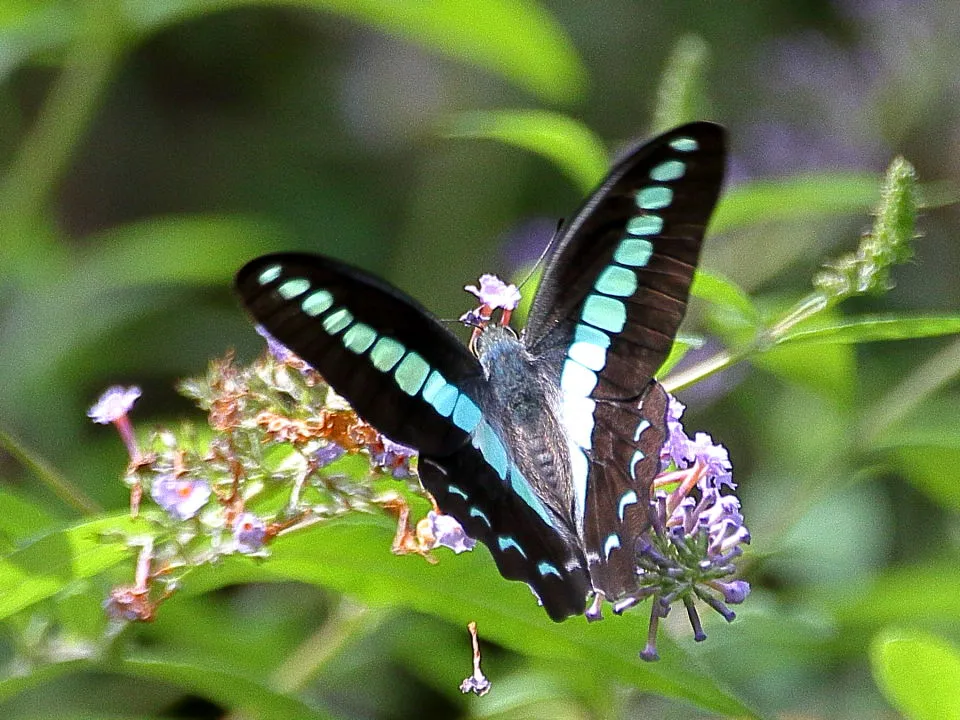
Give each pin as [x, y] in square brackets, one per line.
[412, 379]
[376, 346]
[604, 319]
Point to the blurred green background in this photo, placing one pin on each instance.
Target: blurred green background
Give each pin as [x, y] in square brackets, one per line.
[149, 148]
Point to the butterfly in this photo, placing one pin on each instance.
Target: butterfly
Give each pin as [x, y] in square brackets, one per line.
[545, 445]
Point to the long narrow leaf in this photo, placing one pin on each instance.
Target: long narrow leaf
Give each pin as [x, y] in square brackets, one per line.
[803, 196]
[570, 145]
[57, 559]
[352, 555]
[874, 329]
[518, 39]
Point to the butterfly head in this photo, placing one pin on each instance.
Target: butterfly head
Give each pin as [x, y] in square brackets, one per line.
[490, 340]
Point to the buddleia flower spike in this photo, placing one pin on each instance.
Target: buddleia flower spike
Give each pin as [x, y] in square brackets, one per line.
[697, 533]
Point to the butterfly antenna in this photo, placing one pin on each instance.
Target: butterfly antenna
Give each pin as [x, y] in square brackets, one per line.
[547, 249]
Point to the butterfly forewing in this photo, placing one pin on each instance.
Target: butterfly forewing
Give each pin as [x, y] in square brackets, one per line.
[615, 291]
[399, 368]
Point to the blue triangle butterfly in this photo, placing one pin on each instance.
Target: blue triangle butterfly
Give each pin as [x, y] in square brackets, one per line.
[544, 447]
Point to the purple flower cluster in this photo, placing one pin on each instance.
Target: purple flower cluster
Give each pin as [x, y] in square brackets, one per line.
[683, 452]
[393, 457]
[696, 536]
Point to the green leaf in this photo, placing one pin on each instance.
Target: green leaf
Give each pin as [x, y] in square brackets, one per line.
[680, 95]
[925, 466]
[919, 673]
[912, 394]
[570, 145]
[916, 593]
[518, 39]
[225, 687]
[682, 344]
[938, 193]
[20, 520]
[19, 683]
[813, 196]
[795, 198]
[352, 555]
[725, 294]
[187, 250]
[828, 369]
[247, 697]
[200, 250]
[873, 328]
[48, 565]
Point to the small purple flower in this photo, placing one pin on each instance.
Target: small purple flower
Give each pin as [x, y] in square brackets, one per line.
[448, 532]
[394, 457]
[477, 683]
[182, 498]
[495, 293]
[112, 407]
[734, 591]
[714, 458]
[675, 448]
[474, 318]
[684, 452]
[249, 532]
[329, 453]
[113, 404]
[281, 353]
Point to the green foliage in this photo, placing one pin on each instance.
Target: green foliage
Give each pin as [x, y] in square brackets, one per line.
[837, 400]
[919, 673]
[569, 145]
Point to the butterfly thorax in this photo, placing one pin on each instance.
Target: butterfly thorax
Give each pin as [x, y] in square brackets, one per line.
[525, 408]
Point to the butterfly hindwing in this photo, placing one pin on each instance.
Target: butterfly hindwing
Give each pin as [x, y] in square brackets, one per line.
[525, 545]
[626, 457]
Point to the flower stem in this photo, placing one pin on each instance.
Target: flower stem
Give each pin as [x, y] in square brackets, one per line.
[306, 660]
[61, 487]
